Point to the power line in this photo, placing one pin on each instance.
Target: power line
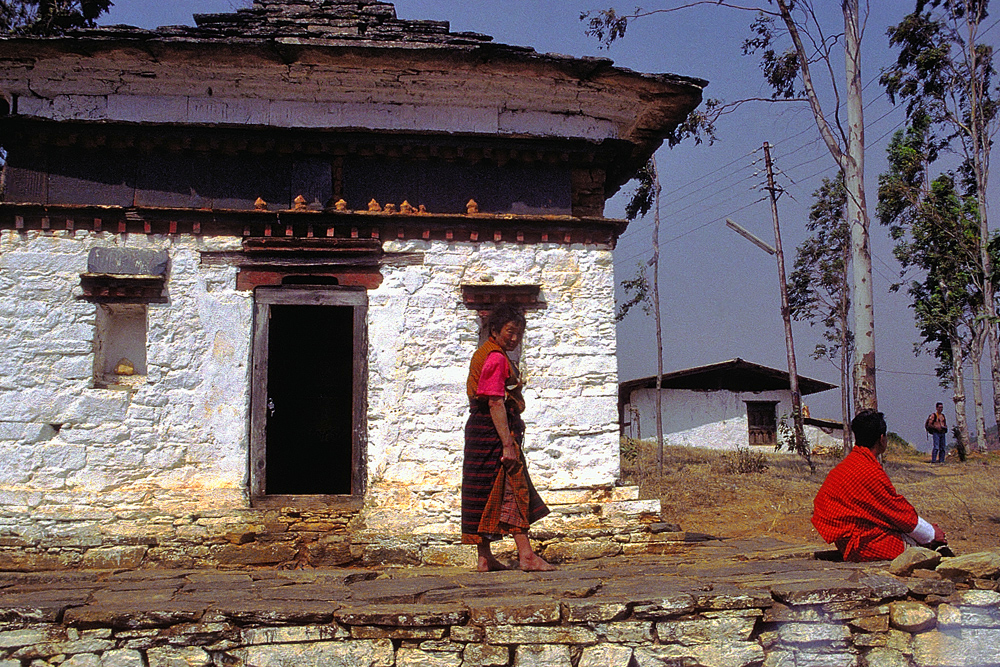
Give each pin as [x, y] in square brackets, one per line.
[711, 222]
[703, 176]
[674, 213]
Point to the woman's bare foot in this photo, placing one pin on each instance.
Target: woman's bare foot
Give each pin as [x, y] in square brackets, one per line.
[489, 564]
[535, 563]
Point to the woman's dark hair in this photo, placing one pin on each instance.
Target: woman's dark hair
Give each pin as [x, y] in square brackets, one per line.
[868, 426]
[503, 314]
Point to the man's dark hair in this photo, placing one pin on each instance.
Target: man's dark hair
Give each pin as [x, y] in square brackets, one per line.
[868, 426]
[503, 314]
[939, 404]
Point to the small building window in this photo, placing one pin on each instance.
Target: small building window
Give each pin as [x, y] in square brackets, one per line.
[120, 345]
[484, 298]
[122, 282]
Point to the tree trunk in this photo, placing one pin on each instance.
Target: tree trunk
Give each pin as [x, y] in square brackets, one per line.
[981, 169]
[977, 388]
[857, 215]
[851, 161]
[845, 357]
[961, 432]
[845, 370]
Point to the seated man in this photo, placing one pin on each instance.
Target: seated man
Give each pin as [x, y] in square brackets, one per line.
[857, 507]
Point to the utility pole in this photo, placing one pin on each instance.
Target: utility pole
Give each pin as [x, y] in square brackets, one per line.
[793, 375]
[654, 261]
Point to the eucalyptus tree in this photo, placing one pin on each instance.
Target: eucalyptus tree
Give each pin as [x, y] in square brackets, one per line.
[791, 38]
[819, 289]
[936, 233]
[49, 17]
[943, 71]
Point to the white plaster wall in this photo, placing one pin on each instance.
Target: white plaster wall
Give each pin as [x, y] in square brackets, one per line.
[832, 439]
[177, 445]
[714, 419]
[421, 338]
[127, 86]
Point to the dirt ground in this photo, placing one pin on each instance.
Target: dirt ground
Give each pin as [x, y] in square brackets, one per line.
[718, 493]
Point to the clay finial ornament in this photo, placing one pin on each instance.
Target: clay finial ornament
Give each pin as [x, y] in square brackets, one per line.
[341, 205]
[406, 207]
[260, 204]
[472, 207]
[300, 204]
[373, 206]
[390, 208]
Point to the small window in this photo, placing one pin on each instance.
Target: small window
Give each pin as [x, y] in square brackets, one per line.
[483, 298]
[120, 345]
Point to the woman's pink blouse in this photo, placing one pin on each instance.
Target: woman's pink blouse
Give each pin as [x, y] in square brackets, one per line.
[494, 376]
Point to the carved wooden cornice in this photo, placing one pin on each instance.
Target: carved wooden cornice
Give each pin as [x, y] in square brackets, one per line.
[357, 225]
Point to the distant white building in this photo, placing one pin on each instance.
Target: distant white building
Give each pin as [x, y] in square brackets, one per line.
[724, 405]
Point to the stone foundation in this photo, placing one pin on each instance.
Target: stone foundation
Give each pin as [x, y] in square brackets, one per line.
[714, 604]
[584, 524]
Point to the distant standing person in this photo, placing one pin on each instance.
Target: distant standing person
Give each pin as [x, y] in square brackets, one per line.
[857, 507]
[937, 426]
[498, 497]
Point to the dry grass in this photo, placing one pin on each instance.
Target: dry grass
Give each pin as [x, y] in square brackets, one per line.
[755, 493]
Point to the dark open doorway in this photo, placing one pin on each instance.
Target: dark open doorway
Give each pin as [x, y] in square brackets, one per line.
[308, 399]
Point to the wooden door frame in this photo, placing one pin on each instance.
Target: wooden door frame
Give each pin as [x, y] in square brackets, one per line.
[305, 295]
[774, 406]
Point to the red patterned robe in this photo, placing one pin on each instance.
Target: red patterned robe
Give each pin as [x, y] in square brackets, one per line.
[858, 509]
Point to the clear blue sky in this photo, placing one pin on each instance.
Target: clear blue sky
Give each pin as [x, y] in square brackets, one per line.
[719, 293]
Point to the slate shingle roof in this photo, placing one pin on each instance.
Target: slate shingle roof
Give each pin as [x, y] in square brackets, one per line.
[362, 22]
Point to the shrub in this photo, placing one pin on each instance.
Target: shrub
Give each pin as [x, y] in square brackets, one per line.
[629, 449]
[743, 461]
[898, 446]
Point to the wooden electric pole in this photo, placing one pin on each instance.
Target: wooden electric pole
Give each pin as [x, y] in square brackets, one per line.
[786, 315]
[655, 263]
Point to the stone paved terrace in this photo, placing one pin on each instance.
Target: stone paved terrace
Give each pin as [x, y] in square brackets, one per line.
[714, 603]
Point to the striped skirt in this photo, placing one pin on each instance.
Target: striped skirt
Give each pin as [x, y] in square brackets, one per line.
[496, 500]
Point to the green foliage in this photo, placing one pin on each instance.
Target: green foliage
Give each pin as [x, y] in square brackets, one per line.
[936, 230]
[629, 448]
[645, 192]
[946, 79]
[605, 25]
[49, 17]
[818, 289]
[940, 73]
[786, 438]
[781, 70]
[638, 292]
[643, 199]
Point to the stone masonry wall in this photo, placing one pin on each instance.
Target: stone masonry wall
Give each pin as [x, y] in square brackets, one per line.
[683, 610]
[160, 472]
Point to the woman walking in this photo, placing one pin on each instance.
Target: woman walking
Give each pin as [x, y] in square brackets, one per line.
[498, 497]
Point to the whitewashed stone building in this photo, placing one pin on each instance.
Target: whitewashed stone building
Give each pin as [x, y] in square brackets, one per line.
[243, 266]
[726, 405]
